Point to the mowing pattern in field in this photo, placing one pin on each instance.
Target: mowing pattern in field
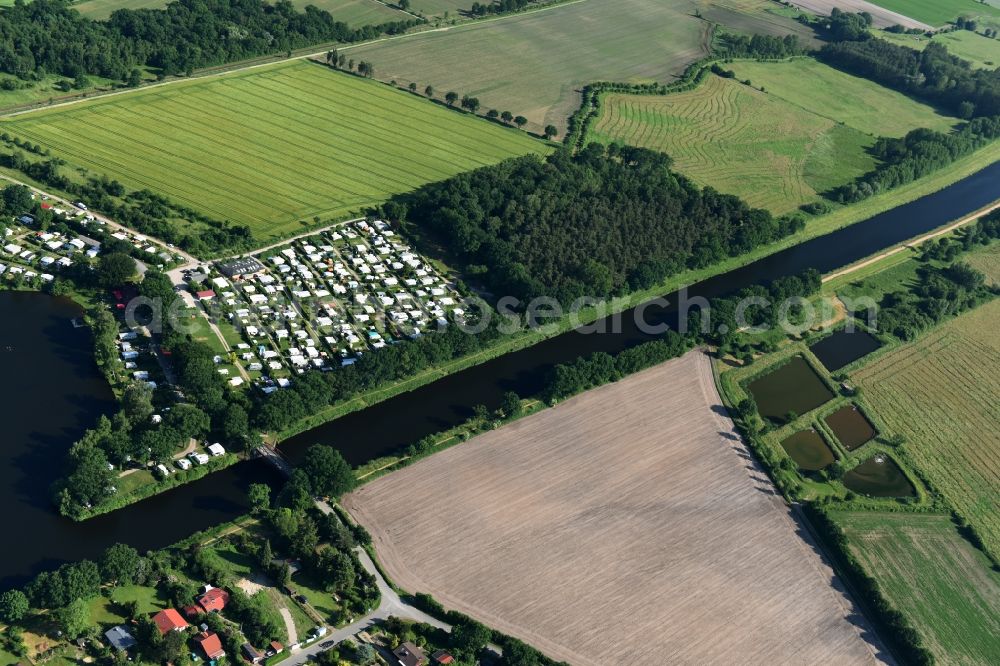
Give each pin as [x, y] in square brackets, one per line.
[533, 64]
[941, 393]
[272, 146]
[934, 576]
[778, 149]
[352, 12]
[627, 525]
[740, 141]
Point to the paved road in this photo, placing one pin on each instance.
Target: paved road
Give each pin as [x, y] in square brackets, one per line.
[390, 606]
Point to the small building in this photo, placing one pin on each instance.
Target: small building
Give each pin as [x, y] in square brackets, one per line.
[409, 654]
[251, 654]
[214, 600]
[210, 644]
[442, 657]
[275, 648]
[120, 638]
[205, 295]
[168, 620]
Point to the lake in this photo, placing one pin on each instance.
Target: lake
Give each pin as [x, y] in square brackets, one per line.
[402, 420]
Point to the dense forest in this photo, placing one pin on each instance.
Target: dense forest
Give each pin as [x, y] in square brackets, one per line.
[49, 37]
[604, 221]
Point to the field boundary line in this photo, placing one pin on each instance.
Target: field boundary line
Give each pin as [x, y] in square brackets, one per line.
[304, 56]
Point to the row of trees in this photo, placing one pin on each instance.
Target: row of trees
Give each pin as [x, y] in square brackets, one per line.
[932, 74]
[601, 222]
[50, 37]
[734, 45]
[586, 372]
[919, 153]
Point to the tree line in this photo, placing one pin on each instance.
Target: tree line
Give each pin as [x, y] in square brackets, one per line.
[919, 153]
[933, 74]
[940, 291]
[604, 221]
[50, 37]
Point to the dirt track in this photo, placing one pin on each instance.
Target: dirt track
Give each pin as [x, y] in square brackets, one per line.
[627, 525]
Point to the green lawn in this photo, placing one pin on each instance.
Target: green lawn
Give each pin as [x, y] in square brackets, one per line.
[981, 51]
[776, 149]
[352, 12]
[272, 146]
[935, 577]
[106, 611]
[856, 102]
[938, 12]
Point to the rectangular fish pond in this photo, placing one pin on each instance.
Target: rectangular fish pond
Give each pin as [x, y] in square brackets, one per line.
[842, 348]
[793, 388]
[879, 476]
[808, 450]
[851, 427]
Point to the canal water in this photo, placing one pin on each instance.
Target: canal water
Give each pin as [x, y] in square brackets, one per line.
[397, 422]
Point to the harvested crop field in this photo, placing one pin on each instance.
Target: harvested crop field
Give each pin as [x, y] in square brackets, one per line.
[272, 146]
[626, 525]
[941, 393]
[533, 64]
[938, 579]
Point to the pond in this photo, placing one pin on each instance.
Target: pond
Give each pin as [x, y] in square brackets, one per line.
[794, 387]
[843, 348]
[808, 450]
[851, 427]
[879, 476]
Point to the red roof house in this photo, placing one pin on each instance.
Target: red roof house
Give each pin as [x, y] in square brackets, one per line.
[210, 644]
[168, 620]
[206, 295]
[214, 600]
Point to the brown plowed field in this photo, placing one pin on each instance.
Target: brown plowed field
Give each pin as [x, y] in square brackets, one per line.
[627, 525]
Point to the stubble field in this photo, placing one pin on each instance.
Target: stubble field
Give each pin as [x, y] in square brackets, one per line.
[272, 146]
[936, 577]
[626, 525]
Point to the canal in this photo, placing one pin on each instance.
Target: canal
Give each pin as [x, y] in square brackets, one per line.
[54, 412]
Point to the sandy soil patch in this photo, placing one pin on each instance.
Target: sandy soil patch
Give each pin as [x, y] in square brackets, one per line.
[626, 526]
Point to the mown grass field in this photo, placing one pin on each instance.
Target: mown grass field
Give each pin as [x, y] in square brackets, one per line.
[739, 141]
[981, 51]
[938, 579]
[272, 146]
[777, 149]
[940, 392]
[352, 12]
[938, 12]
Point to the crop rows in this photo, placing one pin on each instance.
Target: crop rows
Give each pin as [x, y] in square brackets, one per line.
[725, 135]
[936, 577]
[940, 392]
[274, 146]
